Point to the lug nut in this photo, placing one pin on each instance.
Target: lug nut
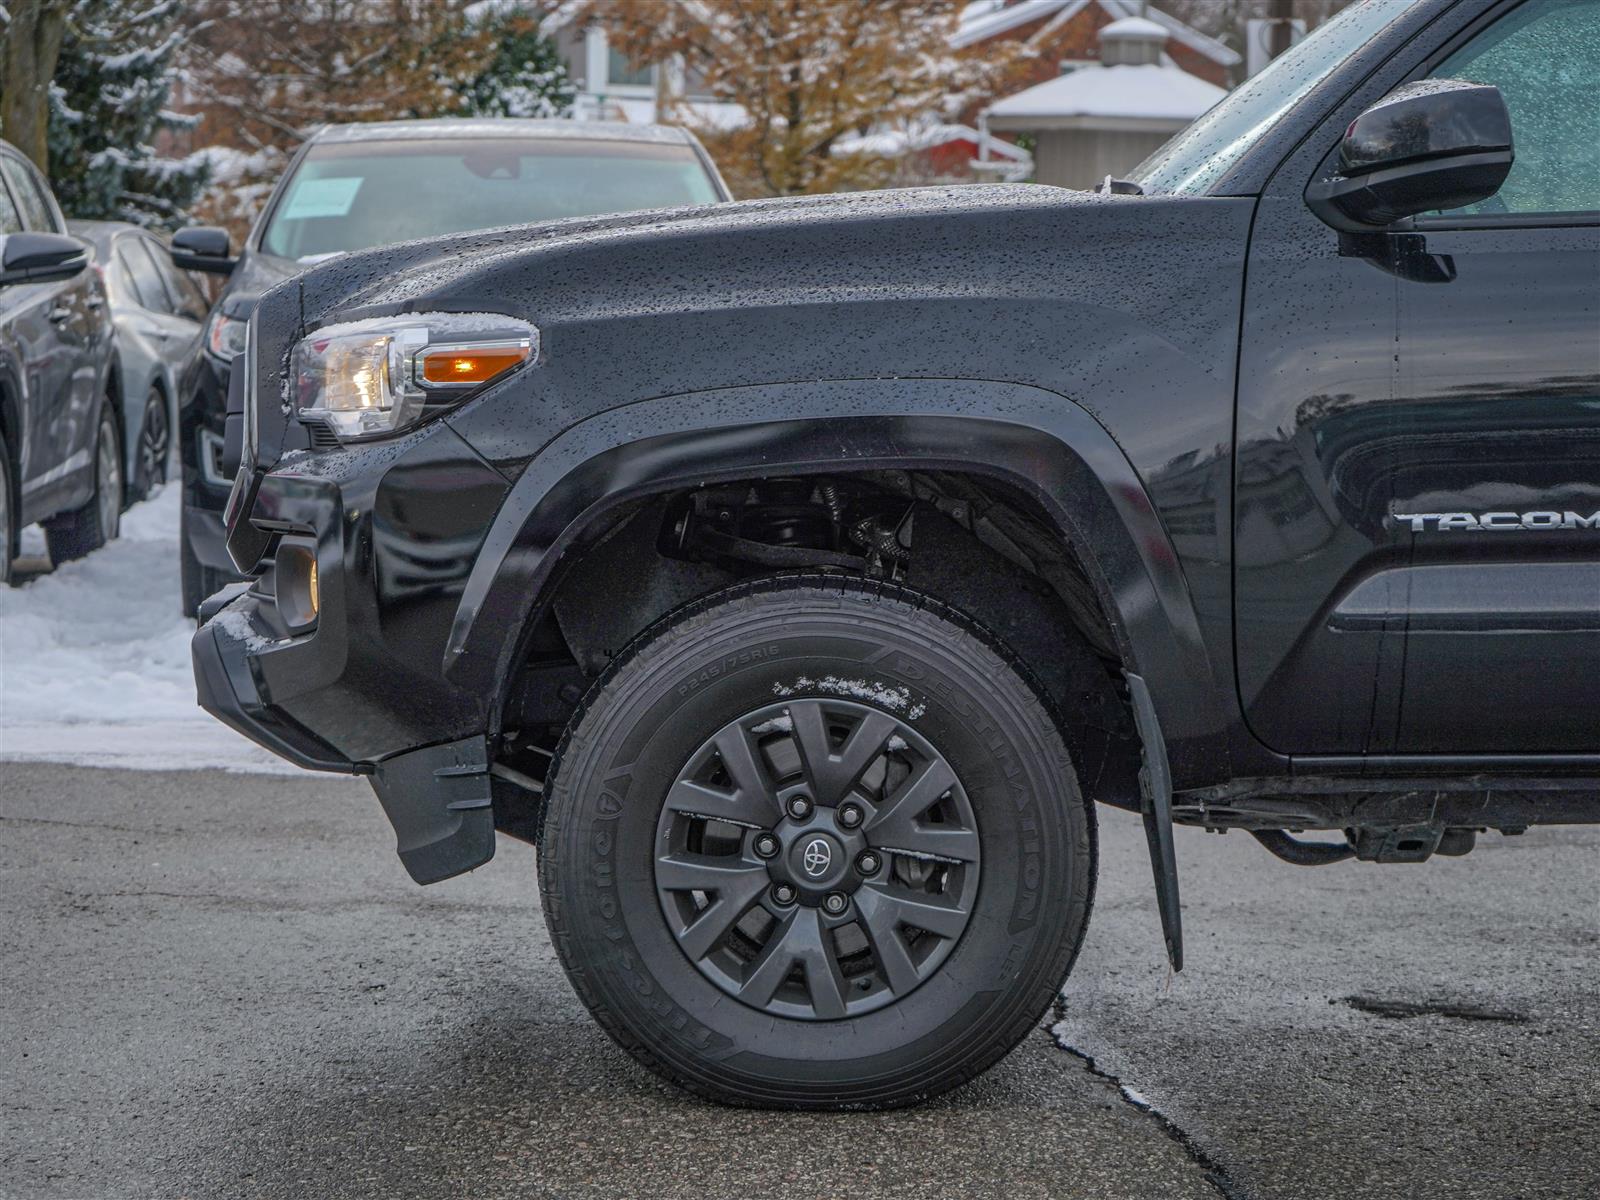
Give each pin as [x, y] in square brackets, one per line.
[799, 807]
[850, 815]
[767, 845]
[868, 863]
[784, 893]
[835, 903]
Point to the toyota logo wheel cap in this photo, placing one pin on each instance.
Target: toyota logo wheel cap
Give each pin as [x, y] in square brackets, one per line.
[818, 857]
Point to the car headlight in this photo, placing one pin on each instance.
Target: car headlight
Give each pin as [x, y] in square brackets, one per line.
[373, 378]
[225, 336]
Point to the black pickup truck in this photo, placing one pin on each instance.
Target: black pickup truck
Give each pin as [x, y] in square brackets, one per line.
[796, 574]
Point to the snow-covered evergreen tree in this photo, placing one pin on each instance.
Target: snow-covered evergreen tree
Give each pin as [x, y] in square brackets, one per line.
[522, 74]
[108, 106]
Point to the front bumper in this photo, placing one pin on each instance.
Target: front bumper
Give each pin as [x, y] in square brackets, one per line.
[226, 687]
[394, 532]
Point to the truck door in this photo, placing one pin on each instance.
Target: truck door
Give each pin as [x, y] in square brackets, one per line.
[1450, 366]
[1493, 611]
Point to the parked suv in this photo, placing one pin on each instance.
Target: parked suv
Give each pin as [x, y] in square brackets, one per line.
[352, 187]
[796, 574]
[60, 436]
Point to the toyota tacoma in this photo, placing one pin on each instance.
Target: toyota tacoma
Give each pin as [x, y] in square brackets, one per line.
[797, 574]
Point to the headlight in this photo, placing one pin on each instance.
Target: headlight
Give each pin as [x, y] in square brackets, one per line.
[225, 336]
[373, 378]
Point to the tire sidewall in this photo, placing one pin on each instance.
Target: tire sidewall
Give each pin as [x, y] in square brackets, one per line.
[955, 690]
[8, 519]
[106, 530]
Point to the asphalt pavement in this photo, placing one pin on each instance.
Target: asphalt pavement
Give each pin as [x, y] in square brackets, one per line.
[222, 985]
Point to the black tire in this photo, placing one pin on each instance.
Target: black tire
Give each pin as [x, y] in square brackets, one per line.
[154, 451]
[196, 580]
[8, 515]
[75, 534]
[858, 654]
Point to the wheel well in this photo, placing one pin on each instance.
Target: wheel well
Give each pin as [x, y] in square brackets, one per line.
[970, 541]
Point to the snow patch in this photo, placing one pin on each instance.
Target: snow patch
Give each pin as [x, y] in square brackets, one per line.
[95, 666]
[894, 697]
[780, 724]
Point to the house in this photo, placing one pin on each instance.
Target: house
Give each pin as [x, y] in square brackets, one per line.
[610, 87]
[1106, 118]
[1060, 37]
[1064, 34]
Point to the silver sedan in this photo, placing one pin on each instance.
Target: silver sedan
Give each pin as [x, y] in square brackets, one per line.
[156, 311]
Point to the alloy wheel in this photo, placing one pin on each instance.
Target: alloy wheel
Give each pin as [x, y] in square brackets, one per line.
[817, 859]
[109, 471]
[155, 442]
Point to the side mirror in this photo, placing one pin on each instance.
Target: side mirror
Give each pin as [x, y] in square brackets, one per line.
[1435, 144]
[40, 257]
[202, 248]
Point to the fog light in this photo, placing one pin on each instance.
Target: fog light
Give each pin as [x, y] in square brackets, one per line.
[295, 581]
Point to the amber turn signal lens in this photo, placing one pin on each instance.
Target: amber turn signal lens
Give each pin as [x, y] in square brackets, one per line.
[471, 366]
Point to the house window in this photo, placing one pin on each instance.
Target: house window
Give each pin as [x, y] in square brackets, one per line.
[622, 73]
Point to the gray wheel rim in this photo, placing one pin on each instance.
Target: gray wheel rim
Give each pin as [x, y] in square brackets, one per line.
[108, 470]
[155, 441]
[817, 859]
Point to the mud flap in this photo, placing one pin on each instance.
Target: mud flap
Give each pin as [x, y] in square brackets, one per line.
[1155, 786]
[439, 802]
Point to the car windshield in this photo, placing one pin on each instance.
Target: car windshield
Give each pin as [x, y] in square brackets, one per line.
[1199, 156]
[352, 195]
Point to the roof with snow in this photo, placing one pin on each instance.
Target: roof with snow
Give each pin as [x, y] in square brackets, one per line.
[1106, 97]
[983, 19]
[891, 143]
[1141, 28]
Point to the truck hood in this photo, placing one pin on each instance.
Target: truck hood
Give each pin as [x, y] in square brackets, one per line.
[562, 274]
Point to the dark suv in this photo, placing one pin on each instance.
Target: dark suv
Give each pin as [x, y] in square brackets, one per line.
[796, 574]
[351, 187]
[60, 441]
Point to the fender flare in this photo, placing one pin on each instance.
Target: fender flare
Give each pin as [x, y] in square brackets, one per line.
[1037, 440]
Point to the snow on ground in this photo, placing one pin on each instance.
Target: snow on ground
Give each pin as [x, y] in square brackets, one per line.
[94, 660]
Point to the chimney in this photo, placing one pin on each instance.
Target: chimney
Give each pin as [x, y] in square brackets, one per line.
[1132, 42]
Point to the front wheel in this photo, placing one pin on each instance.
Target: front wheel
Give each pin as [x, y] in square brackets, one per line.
[155, 446]
[812, 843]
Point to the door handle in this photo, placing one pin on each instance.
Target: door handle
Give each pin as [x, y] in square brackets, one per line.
[60, 314]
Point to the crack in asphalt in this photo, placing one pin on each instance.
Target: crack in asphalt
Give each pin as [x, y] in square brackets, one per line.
[1214, 1172]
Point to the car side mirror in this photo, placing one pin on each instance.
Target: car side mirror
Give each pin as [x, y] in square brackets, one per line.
[202, 248]
[40, 257]
[1435, 144]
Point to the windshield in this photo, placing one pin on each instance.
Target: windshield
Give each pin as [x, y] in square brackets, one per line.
[1199, 156]
[352, 195]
